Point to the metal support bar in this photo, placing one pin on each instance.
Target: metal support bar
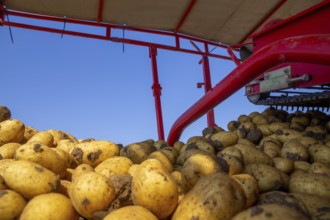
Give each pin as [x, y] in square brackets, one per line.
[233, 56]
[207, 88]
[185, 15]
[2, 14]
[157, 92]
[263, 20]
[99, 13]
[308, 49]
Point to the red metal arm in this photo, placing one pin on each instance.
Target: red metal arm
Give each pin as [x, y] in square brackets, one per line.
[309, 49]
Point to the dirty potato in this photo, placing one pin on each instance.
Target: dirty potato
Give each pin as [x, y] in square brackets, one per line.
[53, 206]
[11, 204]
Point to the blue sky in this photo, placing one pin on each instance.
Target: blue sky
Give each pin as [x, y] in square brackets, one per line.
[92, 89]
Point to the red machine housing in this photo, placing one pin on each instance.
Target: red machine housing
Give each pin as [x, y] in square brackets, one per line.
[313, 21]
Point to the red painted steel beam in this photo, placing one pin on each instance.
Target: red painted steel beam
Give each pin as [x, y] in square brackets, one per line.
[308, 49]
[185, 15]
[207, 88]
[2, 14]
[114, 26]
[99, 13]
[157, 92]
[279, 5]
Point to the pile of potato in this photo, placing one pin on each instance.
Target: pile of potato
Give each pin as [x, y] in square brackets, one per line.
[268, 165]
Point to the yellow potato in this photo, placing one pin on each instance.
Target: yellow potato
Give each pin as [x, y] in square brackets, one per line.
[30, 179]
[11, 204]
[236, 165]
[312, 183]
[93, 153]
[268, 177]
[39, 153]
[320, 153]
[52, 206]
[5, 113]
[223, 139]
[2, 183]
[163, 159]
[269, 212]
[82, 168]
[7, 151]
[253, 155]
[250, 187]
[28, 133]
[91, 192]
[283, 164]
[317, 206]
[286, 134]
[11, 130]
[215, 196]
[154, 188]
[44, 137]
[177, 176]
[294, 150]
[137, 152]
[200, 165]
[66, 145]
[61, 135]
[67, 157]
[131, 212]
[301, 165]
[318, 167]
[114, 166]
[4, 163]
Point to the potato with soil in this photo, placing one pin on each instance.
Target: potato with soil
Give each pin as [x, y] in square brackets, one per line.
[223, 139]
[253, 155]
[53, 206]
[11, 130]
[44, 137]
[215, 196]
[200, 165]
[286, 134]
[81, 168]
[312, 183]
[294, 150]
[30, 179]
[39, 153]
[268, 177]
[320, 153]
[283, 164]
[154, 188]
[93, 153]
[318, 167]
[163, 159]
[28, 133]
[269, 211]
[5, 113]
[91, 192]
[283, 198]
[61, 135]
[318, 207]
[137, 152]
[7, 151]
[11, 204]
[114, 166]
[131, 212]
[250, 187]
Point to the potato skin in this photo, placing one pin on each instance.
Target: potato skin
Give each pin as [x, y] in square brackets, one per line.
[269, 211]
[11, 204]
[312, 183]
[215, 196]
[91, 192]
[44, 137]
[268, 177]
[131, 212]
[40, 153]
[154, 188]
[94, 152]
[114, 165]
[253, 155]
[250, 187]
[11, 130]
[30, 179]
[7, 151]
[49, 206]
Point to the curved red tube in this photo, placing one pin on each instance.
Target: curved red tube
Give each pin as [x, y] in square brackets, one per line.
[308, 49]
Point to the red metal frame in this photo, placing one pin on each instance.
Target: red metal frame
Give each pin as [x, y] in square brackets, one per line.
[191, 5]
[157, 92]
[279, 5]
[308, 49]
[99, 13]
